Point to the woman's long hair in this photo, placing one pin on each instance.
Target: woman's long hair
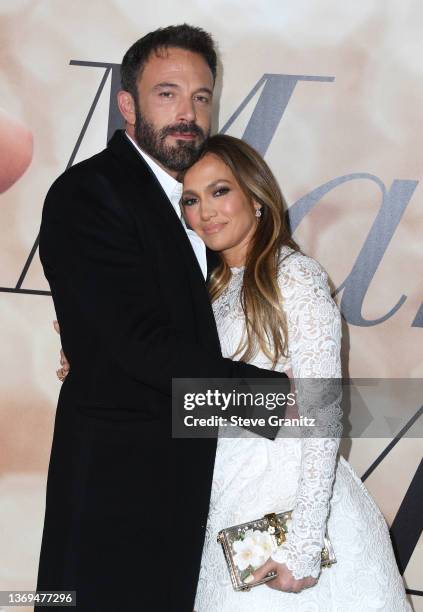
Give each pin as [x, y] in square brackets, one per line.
[261, 298]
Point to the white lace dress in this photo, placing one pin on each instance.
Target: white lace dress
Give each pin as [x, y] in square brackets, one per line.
[253, 476]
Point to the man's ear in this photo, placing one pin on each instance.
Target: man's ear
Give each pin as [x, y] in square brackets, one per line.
[126, 106]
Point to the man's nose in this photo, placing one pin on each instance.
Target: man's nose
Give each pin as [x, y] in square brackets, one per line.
[186, 110]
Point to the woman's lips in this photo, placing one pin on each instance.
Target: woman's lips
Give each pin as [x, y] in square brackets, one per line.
[214, 228]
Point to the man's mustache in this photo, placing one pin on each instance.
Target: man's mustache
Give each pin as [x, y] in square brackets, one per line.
[181, 128]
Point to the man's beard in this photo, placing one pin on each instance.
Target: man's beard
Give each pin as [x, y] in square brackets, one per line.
[177, 157]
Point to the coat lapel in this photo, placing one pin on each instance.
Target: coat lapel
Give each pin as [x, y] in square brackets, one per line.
[146, 187]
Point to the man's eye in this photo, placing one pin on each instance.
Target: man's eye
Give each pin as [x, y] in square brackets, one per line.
[166, 94]
[189, 201]
[221, 191]
[202, 99]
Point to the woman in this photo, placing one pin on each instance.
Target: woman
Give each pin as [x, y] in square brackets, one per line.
[273, 308]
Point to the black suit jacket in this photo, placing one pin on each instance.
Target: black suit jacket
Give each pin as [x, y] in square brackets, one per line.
[126, 505]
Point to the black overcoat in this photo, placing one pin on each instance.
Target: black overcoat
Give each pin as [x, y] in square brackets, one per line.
[126, 504]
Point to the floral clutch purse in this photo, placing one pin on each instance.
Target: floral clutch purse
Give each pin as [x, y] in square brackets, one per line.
[247, 546]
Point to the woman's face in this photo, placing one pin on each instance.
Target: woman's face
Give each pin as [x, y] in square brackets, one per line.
[217, 209]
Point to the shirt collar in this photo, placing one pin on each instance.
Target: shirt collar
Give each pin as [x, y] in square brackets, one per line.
[171, 187]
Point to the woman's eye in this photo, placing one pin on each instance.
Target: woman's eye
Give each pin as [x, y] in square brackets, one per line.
[189, 201]
[221, 191]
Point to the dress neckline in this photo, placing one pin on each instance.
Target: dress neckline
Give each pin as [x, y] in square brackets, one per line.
[237, 269]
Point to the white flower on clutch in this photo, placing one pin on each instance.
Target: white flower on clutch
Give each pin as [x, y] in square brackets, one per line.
[254, 535]
[267, 543]
[253, 550]
[247, 553]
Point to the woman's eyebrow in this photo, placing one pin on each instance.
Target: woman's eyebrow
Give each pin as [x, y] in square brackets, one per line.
[216, 182]
[209, 186]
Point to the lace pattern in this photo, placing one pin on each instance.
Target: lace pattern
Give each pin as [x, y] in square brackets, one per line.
[253, 475]
[314, 342]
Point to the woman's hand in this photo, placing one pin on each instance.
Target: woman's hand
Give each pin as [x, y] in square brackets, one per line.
[283, 581]
[64, 370]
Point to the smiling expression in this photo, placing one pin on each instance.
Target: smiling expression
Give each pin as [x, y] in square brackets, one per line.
[218, 210]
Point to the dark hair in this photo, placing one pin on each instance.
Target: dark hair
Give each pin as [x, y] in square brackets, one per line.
[181, 36]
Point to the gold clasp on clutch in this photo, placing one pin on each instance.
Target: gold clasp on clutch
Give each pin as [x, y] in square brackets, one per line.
[276, 528]
[325, 558]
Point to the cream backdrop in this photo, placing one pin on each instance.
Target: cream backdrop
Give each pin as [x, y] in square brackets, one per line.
[366, 119]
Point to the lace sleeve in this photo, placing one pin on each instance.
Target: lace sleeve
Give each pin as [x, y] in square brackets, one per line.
[314, 337]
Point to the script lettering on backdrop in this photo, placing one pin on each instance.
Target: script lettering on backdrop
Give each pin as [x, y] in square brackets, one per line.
[276, 92]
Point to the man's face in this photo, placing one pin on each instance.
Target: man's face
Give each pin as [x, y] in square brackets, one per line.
[173, 110]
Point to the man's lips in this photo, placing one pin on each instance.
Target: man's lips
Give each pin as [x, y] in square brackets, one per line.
[184, 135]
[214, 228]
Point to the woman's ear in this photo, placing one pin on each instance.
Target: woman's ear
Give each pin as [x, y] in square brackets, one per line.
[257, 209]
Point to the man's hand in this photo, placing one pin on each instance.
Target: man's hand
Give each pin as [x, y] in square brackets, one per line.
[64, 370]
[283, 581]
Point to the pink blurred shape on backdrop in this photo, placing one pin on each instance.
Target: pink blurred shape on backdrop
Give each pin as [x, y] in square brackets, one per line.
[16, 148]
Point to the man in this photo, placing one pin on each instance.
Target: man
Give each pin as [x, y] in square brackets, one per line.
[127, 507]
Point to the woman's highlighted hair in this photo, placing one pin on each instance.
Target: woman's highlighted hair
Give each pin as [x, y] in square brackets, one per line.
[261, 299]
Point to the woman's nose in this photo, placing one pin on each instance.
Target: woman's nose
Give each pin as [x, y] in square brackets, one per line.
[207, 211]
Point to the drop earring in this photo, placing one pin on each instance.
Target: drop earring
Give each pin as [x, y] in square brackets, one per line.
[258, 212]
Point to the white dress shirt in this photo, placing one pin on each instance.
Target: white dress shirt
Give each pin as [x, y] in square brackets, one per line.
[173, 190]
